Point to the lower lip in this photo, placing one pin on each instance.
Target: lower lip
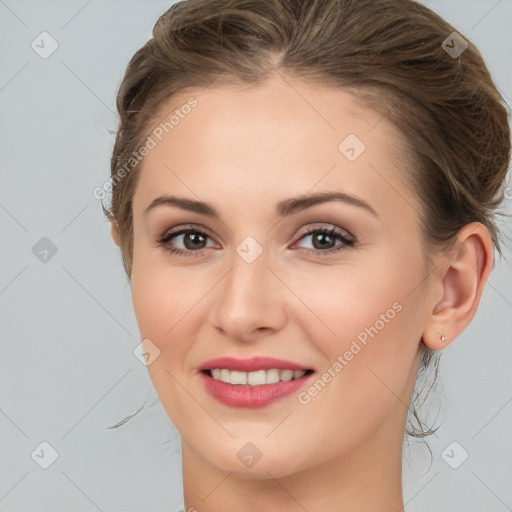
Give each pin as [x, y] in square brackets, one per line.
[251, 397]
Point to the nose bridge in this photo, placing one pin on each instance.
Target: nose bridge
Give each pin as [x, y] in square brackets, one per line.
[249, 298]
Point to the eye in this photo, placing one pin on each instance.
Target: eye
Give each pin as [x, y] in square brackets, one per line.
[191, 241]
[324, 241]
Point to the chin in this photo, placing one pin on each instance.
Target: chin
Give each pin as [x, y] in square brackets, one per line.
[259, 460]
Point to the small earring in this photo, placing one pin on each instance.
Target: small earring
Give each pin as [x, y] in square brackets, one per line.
[444, 339]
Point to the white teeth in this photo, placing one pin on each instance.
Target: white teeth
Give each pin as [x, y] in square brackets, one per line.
[286, 375]
[272, 376]
[256, 378]
[238, 377]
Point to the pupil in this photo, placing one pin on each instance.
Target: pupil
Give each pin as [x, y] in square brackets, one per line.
[322, 236]
[194, 238]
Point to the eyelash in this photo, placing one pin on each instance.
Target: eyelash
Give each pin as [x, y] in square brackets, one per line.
[333, 232]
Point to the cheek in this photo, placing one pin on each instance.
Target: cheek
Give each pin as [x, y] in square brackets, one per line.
[152, 302]
[162, 304]
[171, 306]
[370, 300]
[161, 293]
[369, 335]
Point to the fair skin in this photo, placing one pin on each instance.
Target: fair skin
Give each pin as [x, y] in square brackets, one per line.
[243, 150]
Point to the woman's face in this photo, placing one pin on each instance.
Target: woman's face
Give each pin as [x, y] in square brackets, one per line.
[268, 280]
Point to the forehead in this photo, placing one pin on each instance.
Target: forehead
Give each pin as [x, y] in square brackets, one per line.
[282, 137]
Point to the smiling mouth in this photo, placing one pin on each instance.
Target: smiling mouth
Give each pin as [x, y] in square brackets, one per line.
[256, 378]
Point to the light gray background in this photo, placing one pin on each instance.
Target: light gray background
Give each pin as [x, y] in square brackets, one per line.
[67, 328]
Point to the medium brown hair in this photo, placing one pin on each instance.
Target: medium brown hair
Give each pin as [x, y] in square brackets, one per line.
[390, 53]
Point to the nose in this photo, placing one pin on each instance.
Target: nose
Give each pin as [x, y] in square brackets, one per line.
[250, 301]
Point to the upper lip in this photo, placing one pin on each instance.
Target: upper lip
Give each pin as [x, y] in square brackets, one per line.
[251, 365]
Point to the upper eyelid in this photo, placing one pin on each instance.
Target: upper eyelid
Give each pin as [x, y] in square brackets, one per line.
[171, 233]
[337, 231]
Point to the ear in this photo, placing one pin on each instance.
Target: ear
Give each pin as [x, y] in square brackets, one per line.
[460, 277]
[115, 232]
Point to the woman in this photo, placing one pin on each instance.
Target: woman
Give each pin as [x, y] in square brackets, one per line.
[304, 196]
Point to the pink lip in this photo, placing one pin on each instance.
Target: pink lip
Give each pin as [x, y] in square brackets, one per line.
[250, 397]
[251, 365]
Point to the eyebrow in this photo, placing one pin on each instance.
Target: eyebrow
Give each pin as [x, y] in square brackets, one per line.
[284, 208]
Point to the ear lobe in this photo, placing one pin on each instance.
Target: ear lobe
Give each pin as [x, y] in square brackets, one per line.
[462, 274]
[115, 232]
